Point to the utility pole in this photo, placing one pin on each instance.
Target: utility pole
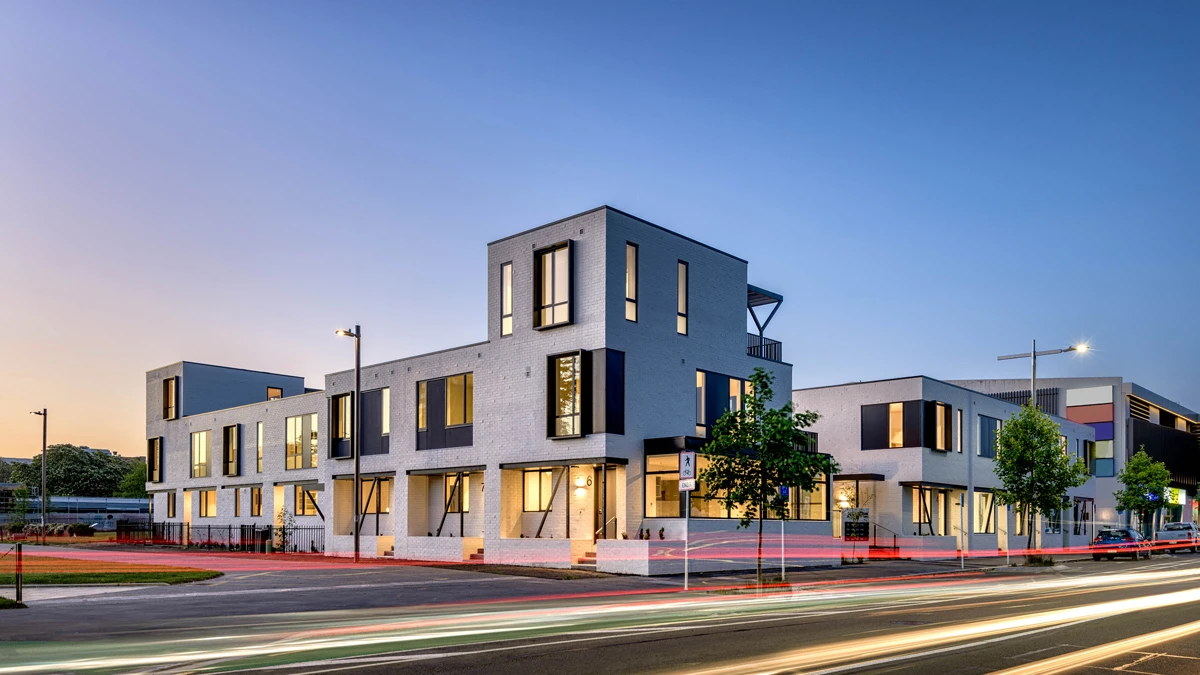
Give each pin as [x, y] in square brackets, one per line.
[44, 415]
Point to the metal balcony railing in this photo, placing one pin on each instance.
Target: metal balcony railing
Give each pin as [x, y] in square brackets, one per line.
[764, 347]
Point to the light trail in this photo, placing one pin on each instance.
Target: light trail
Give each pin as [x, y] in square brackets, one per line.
[1084, 657]
[365, 632]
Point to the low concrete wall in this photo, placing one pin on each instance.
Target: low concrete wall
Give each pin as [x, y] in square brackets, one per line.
[720, 546]
[437, 549]
[928, 548]
[560, 553]
[984, 545]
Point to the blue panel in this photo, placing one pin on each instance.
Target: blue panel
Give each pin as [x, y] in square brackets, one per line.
[1104, 430]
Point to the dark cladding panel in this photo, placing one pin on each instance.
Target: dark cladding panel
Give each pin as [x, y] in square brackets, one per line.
[372, 422]
[608, 391]
[912, 424]
[1177, 449]
[875, 426]
[435, 413]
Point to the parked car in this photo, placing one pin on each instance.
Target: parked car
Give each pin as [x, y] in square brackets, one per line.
[1112, 542]
[1178, 536]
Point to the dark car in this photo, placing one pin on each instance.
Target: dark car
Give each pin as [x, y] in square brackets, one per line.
[1116, 541]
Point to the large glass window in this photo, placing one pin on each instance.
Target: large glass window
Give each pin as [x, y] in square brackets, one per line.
[681, 290]
[208, 503]
[715, 395]
[259, 453]
[988, 427]
[985, 513]
[553, 284]
[662, 486]
[343, 417]
[200, 452]
[255, 501]
[802, 505]
[168, 398]
[506, 299]
[941, 419]
[458, 496]
[568, 389]
[631, 282]
[460, 396]
[895, 425]
[376, 498]
[301, 442]
[539, 485]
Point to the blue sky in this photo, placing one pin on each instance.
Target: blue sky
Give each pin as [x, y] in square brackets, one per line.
[928, 184]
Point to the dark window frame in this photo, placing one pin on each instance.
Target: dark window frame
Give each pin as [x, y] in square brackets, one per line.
[231, 450]
[538, 301]
[154, 459]
[548, 499]
[171, 503]
[256, 502]
[259, 442]
[683, 293]
[509, 290]
[466, 407]
[301, 505]
[207, 464]
[552, 416]
[984, 433]
[632, 301]
[170, 392]
[278, 393]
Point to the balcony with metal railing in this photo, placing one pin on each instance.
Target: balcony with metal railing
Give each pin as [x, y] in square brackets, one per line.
[756, 344]
[764, 347]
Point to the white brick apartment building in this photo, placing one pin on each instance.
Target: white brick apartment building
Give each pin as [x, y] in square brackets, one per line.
[611, 344]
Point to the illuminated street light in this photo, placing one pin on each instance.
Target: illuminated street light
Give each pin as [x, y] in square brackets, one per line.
[354, 443]
[44, 415]
[1032, 355]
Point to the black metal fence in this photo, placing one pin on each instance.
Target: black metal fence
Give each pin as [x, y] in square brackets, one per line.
[764, 347]
[253, 538]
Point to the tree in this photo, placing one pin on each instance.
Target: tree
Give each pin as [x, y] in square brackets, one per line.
[20, 507]
[1144, 484]
[5, 471]
[1033, 465]
[72, 471]
[134, 483]
[756, 450]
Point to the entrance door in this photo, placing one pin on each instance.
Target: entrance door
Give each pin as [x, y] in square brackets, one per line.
[605, 521]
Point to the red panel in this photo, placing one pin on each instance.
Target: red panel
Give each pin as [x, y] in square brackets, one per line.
[1087, 414]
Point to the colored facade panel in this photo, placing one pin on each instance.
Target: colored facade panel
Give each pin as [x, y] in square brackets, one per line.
[1089, 396]
[1090, 414]
[1104, 430]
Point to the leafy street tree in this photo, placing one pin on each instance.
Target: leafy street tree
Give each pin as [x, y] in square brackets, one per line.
[74, 472]
[1144, 486]
[20, 506]
[134, 483]
[1034, 467]
[755, 451]
[5, 472]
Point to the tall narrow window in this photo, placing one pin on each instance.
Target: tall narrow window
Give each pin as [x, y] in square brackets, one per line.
[631, 281]
[895, 425]
[168, 398]
[552, 306]
[208, 503]
[343, 410]
[386, 404]
[458, 495]
[259, 451]
[255, 501]
[506, 299]
[200, 450]
[237, 502]
[988, 426]
[154, 457]
[313, 446]
[171, 503]
[375, 495]
[230, 445]
[274, 393]
[459, 395]
[422, 403]
[567, 390]
[958, 426]
[681, 321]
[701, 417]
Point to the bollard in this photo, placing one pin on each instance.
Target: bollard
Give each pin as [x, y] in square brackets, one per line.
[18, 575]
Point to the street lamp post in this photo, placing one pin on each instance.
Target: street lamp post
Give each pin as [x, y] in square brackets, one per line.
[354, 442]
[1032, 356]
[44, 415]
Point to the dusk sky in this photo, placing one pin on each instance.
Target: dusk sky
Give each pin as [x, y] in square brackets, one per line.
[929, 186]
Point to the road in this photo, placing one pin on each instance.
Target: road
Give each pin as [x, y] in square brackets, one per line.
[1092, 617]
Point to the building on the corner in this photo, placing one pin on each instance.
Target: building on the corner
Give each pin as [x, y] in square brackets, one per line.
[918, 454]
[611, 344]
[1126, 417]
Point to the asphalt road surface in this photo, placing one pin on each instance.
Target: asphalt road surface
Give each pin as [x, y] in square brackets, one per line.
[1092, 617]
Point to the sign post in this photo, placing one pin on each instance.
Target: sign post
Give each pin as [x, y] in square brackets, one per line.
[687, 483]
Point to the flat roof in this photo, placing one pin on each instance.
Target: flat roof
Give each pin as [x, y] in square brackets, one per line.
[627, 215]
[213, 365]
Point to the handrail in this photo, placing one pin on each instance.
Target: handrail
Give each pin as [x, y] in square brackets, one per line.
[601, 528]
[875, 535]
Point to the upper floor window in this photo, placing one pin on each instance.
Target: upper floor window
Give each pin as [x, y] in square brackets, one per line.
[566, 394]
[681, 320]
[988, 426]
[716, 395]
[958, 430]
[506, 299]
[343, 417]
[386, 405]
[168, 398]
[274, 393]
[553, 286]
[939, 426]
[375, 424]
[230, 445]
[631, 281]
[893, 425]
[154, 459]
[200, 452]
[446, 412]
[259, 453]
[301, 442]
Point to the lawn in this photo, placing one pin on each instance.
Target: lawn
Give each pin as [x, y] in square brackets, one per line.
[5, 603]
[38, 569]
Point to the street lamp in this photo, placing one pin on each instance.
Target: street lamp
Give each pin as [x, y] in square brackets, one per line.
[357, 335]
[1032, 356]
[43, 414]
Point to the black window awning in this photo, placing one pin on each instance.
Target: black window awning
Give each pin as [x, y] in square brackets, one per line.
[877, 477]
[373, 474]
[548, 463]
[670, 444]
[474, 468]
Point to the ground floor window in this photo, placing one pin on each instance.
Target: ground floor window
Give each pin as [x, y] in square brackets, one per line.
[306, 501]
[237, 502]
[538, 487]
[208, 503]
[985, 513]
[810, 505]
[1053, 523]
[255, 501]
[458, 496]
[376, 497]
[662, 486]
[171, 504]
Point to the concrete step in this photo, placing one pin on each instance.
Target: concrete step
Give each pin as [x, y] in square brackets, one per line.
[479, 550]
[389, 553]
[590, 554]
[477, 557]
[590, 567]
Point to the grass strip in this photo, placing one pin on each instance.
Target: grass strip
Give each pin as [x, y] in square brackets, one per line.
[5, 603]
[180, 576]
